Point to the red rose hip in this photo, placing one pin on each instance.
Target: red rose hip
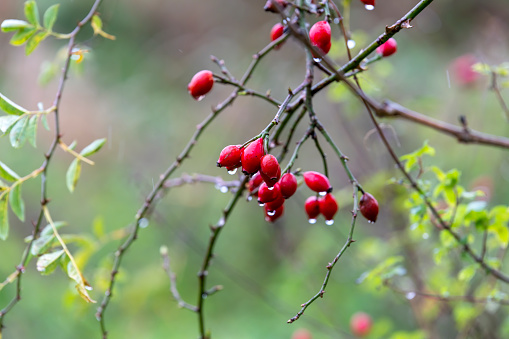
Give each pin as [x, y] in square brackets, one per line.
[251, 156]
[200, 84]
[230, 157]
[288, 185]
[266, 194]
[276, 32]
[255, 181]
[312, 207]
[369, 207]
[369, 4]
[360, 324]
[270, 169]
[388, 48]
[272, 216]
[328, 208]
[317, 181]
[320, 36]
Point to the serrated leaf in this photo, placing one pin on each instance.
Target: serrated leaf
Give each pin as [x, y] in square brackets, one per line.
[21, 36]
[44, 121]
[32, 12]
[7, 121]
[32, 131]
[73, 174]
[41, 244]
[50, 16]
[14, 25]
[34, 41]
[48, 262]
[10, 107]
[7, 173]
[4, 218]
[94, 147]
[16, 202]
[18, 133]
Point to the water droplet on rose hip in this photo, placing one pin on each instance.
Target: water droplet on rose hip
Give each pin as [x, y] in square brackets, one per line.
[317, 59]
[270, 188]
[271, 213]
[410, 295]
[232, 172]
[261, 204]
[312, 221]
[322, 194]
[370, 222]
[351, 43]
[329, 222]
[369, 7]
[336, 21]
[200, 98]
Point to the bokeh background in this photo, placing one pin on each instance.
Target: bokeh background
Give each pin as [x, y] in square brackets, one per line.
[133, 92]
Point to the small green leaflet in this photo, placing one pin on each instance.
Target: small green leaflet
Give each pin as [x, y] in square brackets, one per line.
[34, 41]
[7, 173]
[7, 121]
[48, 262]
[94, 147]
[4, 218]
[18, 133]
[21, 36]
[73, 174]
[50, 16]
[17, 204]
[32, 12]
[32, 130]
[10, 107]
[10, 25]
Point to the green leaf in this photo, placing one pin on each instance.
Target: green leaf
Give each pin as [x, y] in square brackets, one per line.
[7, 173]
[467, 273]
[73, 145]
[14, 25]
[41, 244]
[32, 12]
[73, 174]
[16, 201]
[48, 262]
[7, 121]
[93, 147]
[21, 36]
[44, 121]
[97, 23]
[18, 133]
[4, 218]
[32, 131]
[34, 41]
[81, 284]
[50, 16]
[10, 107]
[48, 230]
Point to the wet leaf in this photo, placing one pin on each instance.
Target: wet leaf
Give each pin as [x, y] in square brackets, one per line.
[16, 201]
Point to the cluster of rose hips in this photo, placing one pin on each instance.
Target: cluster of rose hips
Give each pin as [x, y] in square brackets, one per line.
[273, 189]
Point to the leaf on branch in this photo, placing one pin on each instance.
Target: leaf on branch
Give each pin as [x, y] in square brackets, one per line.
[7, 173]
[82, 284]
[4, 218]
[16, 201]
[47, 263]
[50, 16]
[412, 158]
[32, 131]
[10, 25]
[97, 26]
[18, 133]
[41, 244]
[10, 107]
[21, 36]
[6, 122]
[73, 174]
[34, 41]
[32, 12]
[94, 147]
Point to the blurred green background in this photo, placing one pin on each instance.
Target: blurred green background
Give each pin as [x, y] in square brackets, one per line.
[133, 91]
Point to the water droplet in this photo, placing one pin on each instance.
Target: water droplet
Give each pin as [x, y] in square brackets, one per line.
[271, 213]
[369, 7]
[317, 59]
[370, 222]
[249, 198]
[143, 223]
[329, 222]
[261, 204]
[336, 21]
[312, 221]
[410, 295]
[223, 189]
[270, 188]
[425, 236]
[204, 296]
[200, 98]
[285, 21]
[88, 288]
[232, 172]
[351, 43]
[322, 194]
